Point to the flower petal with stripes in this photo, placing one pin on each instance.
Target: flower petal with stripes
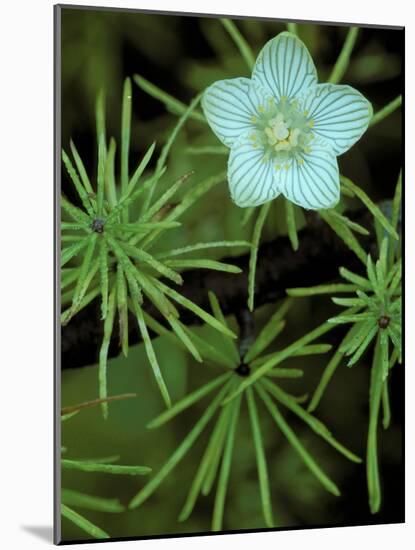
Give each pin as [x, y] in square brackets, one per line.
[340, 114]
[251, 175]
[284, 67]
[312, 180]
[231, 105]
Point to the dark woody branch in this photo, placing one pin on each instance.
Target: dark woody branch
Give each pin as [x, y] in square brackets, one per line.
[317, 261]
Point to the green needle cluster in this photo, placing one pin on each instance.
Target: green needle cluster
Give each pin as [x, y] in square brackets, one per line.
[375, 315]
[225, 414]
[113, 245]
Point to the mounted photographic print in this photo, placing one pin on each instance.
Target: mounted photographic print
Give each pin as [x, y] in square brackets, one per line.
[229, 229]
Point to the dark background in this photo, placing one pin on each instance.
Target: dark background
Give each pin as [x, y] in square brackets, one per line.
[182, 55]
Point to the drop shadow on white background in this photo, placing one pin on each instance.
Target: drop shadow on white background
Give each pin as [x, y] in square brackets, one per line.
[42, 532]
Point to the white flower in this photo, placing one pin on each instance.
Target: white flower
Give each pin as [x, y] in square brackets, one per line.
[284, 130]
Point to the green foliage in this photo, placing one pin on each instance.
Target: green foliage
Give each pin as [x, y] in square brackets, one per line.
[343, 60]
[254, 252]
[88, 466]
[77, 499]
[386, 110]
[172, 104]
[93, 530]
[240, 42]
[90, 502]
[233, 393]
[115, 257]
[375, 315]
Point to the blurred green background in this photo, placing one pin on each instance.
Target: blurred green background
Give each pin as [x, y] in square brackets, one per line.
[182, 55]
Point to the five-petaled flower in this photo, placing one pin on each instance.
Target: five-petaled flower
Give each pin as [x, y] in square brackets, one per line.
[284, 130]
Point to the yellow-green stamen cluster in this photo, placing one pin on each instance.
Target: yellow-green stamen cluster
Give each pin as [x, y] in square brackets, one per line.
[284, 131]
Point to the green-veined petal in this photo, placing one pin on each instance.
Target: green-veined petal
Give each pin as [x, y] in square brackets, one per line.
[284, 67]
[312, 181]
[230, 105]
[340, 114]
[251, 175]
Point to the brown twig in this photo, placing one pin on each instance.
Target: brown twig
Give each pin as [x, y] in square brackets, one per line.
[94, 402]
[320, 254]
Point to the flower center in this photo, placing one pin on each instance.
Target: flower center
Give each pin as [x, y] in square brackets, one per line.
[277, 129]
[280, 137]
[284, 131]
